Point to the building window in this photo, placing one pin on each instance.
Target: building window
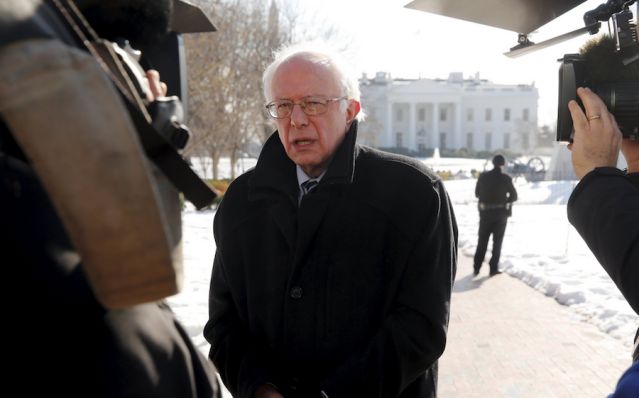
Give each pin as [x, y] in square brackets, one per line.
[398, 140]
[506, 140]
[525, 140]
[421, 133]
[442, 114]
[488, 141]
[442, 140]
[489, 114]
[469, 115]
[506, 115]
[526, 114]
[421, 148]
[399, 116]
[469, 140]
[421, 114]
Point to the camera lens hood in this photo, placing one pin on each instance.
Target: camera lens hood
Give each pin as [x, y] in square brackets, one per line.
[567, 92]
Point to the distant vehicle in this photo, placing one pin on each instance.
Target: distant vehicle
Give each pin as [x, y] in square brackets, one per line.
[533, 170]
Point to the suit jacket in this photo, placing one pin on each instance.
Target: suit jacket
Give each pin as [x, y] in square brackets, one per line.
[496, 193]
[348, 293]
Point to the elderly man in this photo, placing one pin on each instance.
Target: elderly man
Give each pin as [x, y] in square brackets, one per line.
[337, 289]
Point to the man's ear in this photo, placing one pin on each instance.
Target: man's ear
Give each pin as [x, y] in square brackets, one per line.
[352, 110]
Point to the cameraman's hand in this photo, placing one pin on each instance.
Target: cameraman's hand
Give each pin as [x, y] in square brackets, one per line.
[157, 88]
[597, 140]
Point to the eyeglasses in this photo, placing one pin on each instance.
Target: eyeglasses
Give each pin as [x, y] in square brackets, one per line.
[311, 106]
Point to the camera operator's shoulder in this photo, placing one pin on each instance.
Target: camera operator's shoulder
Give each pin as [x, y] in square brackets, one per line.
[30, 19]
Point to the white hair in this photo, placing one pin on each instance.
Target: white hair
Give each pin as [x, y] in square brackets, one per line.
[321, 54]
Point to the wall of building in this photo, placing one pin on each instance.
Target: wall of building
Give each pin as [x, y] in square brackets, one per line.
[422, 114]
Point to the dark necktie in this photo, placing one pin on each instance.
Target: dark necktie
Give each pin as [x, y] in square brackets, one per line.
[308, 186]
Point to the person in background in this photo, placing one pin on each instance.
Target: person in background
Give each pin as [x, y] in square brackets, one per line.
[496, 193]
[335, 261]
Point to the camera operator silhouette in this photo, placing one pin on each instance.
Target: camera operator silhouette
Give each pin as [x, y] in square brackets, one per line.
[88, 231]
[604, 207]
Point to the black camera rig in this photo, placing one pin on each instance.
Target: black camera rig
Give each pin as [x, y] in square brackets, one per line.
[618, 84]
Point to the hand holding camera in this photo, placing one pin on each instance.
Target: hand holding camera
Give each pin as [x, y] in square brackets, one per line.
[157, 88]
[597, 138]
[166, 113]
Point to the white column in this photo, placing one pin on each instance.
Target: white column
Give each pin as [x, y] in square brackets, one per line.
[434, 133]
[411, 140]
[388, 134]
[459, 141]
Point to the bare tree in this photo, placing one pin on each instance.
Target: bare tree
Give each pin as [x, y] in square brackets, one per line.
[225, 78]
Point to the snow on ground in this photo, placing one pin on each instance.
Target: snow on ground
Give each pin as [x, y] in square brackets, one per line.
[542, 249]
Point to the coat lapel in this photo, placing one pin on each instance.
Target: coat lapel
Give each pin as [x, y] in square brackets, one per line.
[310, 215]
[312, 211]
[275, 180]
[284, 217]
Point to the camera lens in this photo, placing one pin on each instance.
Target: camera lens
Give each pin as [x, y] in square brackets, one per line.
[622, 100]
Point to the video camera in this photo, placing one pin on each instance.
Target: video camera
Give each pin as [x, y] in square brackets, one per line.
[167, 113]
[144, 134]
[145, 35]
[609, 67]
[114, 32]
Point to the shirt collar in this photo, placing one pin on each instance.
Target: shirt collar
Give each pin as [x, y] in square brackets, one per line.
[302, 177]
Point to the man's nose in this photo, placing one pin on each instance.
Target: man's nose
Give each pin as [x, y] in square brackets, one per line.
[298, 117]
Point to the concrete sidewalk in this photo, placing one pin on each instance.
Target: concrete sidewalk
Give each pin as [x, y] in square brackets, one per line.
[508, 340]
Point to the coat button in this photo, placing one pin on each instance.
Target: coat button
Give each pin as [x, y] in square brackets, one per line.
[296, 293]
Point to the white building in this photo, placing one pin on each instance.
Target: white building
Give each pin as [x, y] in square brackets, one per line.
[423, 114]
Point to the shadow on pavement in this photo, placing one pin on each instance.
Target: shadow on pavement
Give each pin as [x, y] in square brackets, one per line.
[467, 283]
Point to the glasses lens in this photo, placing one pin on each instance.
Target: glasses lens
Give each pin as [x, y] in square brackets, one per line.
[284, 108]
[280, 109]
[314, 106]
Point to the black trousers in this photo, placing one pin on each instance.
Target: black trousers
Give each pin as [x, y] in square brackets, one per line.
[487, 226]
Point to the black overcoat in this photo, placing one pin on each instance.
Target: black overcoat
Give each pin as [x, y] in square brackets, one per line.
[348, 293]
[604, 209]
[495, 187]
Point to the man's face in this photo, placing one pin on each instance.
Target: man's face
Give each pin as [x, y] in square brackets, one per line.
[310, 141]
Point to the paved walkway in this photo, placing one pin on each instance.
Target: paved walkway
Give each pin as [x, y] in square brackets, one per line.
[508, 340]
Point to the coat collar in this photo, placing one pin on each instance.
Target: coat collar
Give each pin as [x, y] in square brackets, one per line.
[275, 173]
